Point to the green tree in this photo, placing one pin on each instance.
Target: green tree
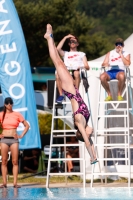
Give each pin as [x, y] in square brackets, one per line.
[114, 17]
[96, 23]
[45, 121]
[65, 18]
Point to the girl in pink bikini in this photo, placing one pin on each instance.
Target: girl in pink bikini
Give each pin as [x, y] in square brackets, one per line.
[80, 110]
[9, 139]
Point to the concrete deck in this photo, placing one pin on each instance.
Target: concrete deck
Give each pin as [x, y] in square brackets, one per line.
[64, 185]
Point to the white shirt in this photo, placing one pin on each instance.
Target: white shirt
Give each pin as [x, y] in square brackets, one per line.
[115, 59]
[73, 59]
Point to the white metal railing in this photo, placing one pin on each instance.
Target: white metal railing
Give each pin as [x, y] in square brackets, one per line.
[64, 135]
[106, 131]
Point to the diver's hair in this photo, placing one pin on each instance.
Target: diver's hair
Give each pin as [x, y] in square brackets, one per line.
[80, 137]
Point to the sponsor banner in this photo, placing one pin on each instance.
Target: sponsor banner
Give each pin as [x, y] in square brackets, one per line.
[15, 73]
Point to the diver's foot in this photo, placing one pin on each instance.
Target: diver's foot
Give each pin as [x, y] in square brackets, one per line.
[94, 161]
[49, 32]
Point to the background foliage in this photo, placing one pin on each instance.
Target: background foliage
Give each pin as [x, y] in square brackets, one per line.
[97, 23]
[64, 17]
[45, 120]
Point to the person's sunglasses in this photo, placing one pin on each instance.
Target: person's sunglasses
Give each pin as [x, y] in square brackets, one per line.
[9, 103]
[73, 41]
[119, 44]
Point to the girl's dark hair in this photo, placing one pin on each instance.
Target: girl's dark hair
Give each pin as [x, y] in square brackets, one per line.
[4, 112]
[79, 136]
[6, 101]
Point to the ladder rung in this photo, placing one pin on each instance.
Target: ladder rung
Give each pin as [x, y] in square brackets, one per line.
[64, 135]
[112, 102]
[65, 159]
[66, 173]
[116, 144]
[66, 145]
[109, 173]
[108, 116]
[62, 117]
[65, 131]
[112, 159]
[115, 147]
[121, 129]
[112, 134]
[116, 109]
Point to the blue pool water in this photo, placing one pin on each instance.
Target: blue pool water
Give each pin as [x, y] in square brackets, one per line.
[66, 194]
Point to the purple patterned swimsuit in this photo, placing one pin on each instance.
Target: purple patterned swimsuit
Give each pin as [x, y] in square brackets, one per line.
[82, 106]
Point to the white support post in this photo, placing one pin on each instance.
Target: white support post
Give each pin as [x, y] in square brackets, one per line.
[63, 135]
[115, 131]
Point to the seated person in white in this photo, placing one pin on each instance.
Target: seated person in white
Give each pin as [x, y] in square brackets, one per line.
[73, 59]
[117, 60]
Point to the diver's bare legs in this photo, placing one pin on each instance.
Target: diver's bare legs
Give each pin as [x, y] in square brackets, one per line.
[89, 132]
[58, 83]
[80, 123]
[67, 82]
[65, 77]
